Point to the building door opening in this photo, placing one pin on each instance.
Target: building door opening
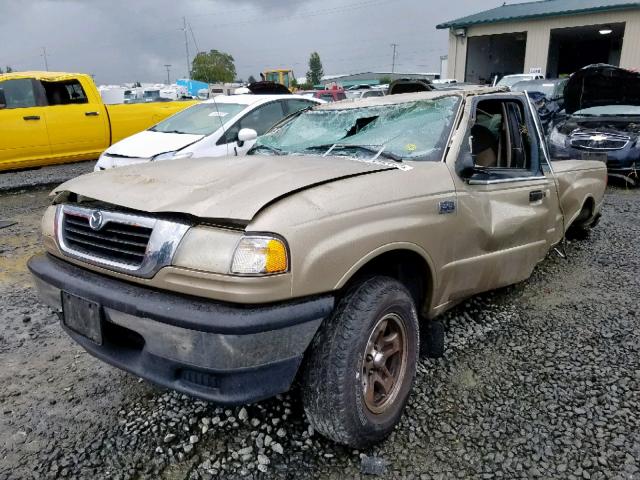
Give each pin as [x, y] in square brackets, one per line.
[570, 49]
[489, 56]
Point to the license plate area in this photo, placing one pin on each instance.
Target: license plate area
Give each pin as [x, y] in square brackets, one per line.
[82, 316]
[600, 157]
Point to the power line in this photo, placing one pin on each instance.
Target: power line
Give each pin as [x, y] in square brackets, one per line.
[195, 42]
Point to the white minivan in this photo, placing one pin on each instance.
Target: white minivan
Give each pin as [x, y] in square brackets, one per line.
[207, 129]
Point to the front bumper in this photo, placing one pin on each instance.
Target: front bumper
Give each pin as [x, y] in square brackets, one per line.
[228, 354]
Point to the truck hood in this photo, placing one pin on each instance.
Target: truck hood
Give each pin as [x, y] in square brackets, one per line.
[599, 85]
[148, 144]
[231, 188]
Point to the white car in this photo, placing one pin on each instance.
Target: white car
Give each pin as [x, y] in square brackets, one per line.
[511, 80]
[207, 129]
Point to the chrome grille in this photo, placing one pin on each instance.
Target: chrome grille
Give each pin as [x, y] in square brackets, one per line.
[114, 241]
[134, 244]
[595, 141]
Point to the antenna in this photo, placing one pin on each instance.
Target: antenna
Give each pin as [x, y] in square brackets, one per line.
[168, 67]
[224, 132]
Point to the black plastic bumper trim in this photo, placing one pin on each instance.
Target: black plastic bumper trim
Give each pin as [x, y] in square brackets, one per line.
[175, 309]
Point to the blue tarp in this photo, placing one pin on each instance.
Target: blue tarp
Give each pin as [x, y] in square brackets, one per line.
[192, 85]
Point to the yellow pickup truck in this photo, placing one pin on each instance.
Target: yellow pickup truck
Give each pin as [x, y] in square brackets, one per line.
[50, 117]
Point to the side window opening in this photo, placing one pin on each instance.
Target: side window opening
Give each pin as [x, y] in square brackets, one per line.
[19, 93]
[500, 136]
[66, 92]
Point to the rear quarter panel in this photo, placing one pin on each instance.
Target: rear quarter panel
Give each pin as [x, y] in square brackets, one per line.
[578, 181]
[127, 119]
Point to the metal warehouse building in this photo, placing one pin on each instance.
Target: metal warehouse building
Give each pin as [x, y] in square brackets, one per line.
[552, 37]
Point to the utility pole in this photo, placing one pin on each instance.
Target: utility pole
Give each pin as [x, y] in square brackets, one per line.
[44, 55]
[186, 45]
[393, 62]
[168, 67]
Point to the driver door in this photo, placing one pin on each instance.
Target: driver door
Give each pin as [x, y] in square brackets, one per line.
[504, 204]
[260, 119]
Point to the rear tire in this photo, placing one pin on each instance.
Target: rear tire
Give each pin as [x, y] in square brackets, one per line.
[362, 364]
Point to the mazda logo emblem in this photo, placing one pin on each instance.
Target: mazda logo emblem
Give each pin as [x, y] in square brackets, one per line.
[95, 220]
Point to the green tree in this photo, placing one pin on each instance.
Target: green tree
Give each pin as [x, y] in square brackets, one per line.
[252, 79]
[213, 67]
[314, 75]
[8, 69]
[385, 80]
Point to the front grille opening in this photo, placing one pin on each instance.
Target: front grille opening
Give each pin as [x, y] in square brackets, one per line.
[116, 242]
[116, 335]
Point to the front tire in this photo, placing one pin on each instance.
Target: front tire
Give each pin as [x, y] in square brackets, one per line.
[362, 364]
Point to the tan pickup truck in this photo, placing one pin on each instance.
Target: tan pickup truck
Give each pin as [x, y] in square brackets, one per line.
[320, 256]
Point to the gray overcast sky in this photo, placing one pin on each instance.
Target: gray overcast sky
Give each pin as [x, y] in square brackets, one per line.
[130, 40]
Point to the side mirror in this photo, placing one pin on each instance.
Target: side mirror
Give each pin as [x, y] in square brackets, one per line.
[465, 165]
[3, 101]
[246, 135]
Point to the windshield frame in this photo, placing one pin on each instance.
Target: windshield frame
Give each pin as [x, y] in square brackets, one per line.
[445, 138]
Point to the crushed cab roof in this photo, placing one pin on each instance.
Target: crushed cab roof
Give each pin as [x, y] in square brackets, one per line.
[464, 91]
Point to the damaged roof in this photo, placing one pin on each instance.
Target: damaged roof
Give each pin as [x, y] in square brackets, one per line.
[400, 98]
[539, 9]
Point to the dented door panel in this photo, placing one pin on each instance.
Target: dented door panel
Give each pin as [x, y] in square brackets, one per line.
[505, 234]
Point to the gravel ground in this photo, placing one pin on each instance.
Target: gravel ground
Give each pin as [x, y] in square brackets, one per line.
[539, 380]
[41, 177]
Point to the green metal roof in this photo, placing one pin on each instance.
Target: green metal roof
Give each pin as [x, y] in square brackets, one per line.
[539, 9]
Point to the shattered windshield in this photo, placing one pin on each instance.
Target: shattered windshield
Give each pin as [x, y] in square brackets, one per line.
[406, 131]
[201, 119]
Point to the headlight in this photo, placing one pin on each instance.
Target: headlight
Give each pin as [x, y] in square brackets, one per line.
[260, 255]
[172, 156]
[557, 139]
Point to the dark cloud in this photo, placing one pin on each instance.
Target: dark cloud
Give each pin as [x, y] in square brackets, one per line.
[124, 40]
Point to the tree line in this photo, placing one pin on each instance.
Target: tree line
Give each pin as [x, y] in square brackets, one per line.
[215, 66]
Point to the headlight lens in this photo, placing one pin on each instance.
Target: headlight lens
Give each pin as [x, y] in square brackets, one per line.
[260, 255]
[173, 156]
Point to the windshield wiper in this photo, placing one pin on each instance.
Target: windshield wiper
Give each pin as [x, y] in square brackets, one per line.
[377, 151]
[173, 131]
[274, 150]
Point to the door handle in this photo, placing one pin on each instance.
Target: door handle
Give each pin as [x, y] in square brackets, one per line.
[536, 195]
[91, 114]
[32, 117]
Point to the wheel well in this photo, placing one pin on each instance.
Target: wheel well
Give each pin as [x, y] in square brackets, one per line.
[588, 207]
[406, 266]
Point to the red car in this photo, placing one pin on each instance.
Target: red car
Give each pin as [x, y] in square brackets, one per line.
[332, 95]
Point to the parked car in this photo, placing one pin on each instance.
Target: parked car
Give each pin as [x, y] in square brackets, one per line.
[321, 255]
[330, 95]
[553, 89]
[602, 105]
[50, 117]
[372, 92]
[511, 80]
[406, 85]
[209, 129]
